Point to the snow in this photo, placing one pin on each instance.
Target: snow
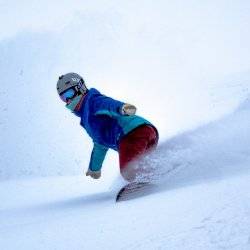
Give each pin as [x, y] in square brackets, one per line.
[203, 205]
[185, 65]
[211, 215]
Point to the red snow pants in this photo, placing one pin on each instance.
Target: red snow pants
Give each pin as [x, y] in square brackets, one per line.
[136, 143]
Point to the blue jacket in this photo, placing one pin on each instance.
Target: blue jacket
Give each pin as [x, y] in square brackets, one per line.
[101, 118]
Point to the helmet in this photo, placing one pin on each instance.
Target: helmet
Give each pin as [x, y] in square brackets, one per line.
[71, 80]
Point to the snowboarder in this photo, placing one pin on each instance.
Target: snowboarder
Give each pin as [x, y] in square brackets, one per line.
[110, 123]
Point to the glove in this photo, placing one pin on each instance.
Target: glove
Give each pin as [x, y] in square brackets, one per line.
[128, 109]
[94, 174]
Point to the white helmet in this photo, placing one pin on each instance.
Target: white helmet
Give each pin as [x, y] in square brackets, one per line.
[71, 80]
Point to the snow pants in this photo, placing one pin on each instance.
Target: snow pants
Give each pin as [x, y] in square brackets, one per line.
[135, 144]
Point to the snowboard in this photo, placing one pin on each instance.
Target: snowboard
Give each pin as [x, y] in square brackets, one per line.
[135, 190]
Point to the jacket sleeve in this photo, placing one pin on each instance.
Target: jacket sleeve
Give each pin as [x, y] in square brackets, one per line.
[97, 157]
[107, 104]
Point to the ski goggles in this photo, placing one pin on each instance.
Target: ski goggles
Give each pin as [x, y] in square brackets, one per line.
[68, 95]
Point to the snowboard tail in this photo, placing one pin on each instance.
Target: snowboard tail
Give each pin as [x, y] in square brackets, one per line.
[134, 190]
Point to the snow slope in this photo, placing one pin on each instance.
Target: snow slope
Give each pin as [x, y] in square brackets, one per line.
[203, 205]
